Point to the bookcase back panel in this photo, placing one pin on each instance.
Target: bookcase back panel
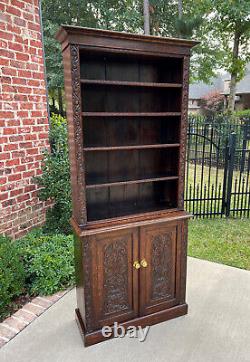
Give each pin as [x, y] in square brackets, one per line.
[115, 166]
[100, 98]
[122, 131]
[122, 200]
[129, 68]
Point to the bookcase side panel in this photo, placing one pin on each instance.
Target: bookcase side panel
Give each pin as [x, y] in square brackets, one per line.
[75, 132]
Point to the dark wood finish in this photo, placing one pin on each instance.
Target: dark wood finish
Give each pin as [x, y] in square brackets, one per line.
[90, 338]
[130, 114]
[160, 279]
[127, 115]
[130, 84]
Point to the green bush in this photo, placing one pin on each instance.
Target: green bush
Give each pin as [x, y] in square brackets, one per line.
[245, 113]
[55, 179]
[11, 274]
[48, 262]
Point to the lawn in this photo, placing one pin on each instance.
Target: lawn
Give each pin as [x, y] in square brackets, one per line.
[225, 241]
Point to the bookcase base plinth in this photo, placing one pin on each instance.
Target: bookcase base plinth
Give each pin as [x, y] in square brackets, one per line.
[95, 337]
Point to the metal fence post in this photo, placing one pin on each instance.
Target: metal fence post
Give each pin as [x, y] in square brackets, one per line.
[231, 156]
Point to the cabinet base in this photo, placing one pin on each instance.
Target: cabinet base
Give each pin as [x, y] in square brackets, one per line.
[97, 336]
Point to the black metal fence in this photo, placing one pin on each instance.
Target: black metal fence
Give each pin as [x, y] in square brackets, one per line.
[218, 167]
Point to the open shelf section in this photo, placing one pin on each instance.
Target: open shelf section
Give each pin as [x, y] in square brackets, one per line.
[130, 84]
[124, 165]
[122, 67]
[131, 182]
[131, 199]
[127, 148]
[131, 114]
[96, 98]
[130, 131]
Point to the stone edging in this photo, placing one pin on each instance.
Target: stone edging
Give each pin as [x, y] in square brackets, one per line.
[14, 324]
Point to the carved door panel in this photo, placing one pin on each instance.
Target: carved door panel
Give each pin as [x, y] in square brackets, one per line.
[159, 278]
[115, 281]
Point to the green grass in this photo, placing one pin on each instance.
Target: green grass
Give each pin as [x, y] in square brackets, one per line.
[225, 241]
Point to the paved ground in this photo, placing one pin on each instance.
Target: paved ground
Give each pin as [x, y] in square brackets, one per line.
[217, 327]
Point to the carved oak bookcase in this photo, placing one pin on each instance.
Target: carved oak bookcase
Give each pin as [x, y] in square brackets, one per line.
[127, 101]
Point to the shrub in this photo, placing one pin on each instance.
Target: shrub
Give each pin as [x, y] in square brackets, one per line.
[212, 104]
[11, 274]
[245, 113]
[48, 262]
[55, 178]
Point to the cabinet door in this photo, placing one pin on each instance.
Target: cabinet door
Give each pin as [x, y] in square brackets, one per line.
[159, 279]
[115, 281]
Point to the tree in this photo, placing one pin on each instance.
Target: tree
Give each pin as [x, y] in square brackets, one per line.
[230, 23]
[146, 17]
[212, 104]
[120, 15]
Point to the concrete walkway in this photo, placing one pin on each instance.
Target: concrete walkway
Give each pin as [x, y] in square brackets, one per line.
[217, 327]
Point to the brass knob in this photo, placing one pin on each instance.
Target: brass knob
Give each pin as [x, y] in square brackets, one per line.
[144, 263]
[136, 264]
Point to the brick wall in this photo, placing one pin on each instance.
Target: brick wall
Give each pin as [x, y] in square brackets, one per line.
[23, 116]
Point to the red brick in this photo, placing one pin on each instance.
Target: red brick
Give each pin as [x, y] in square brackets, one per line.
[31, 308]
[25, 316]
[9, 130]
[28, 16]
[6, 114]
[15, 138]
[4, 156]
[53, 298]
[3, 180]
[16, 192]
[15, 323]
[23, 57]
[2, 342]
[16, 80]
[7, 53]
[42, 302]
[13, 11]
[24, 73]
[6, 332]
[20, 22]
[15, 177]
[4, 196]
[23, 117]
[17, 3]
[5, 35]
[23, 198]
[11, 147]
[9, 71]
[32, 151]
[15, 162]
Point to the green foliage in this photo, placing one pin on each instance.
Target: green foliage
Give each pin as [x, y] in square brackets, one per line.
[11, 273]
[243, 114]
[186, 26]
[55, 179]
[48, 262]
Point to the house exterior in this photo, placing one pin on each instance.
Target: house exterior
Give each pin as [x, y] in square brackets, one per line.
[220, 84]
[199, 90]
[23, 116]
[242, 91]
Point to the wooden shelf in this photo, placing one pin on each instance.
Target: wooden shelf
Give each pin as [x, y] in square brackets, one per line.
[130, 84]
[131, 114]
[128, 148]
[131, 182]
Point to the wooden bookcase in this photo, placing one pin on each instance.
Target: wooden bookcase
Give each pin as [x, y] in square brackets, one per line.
[127, 111]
